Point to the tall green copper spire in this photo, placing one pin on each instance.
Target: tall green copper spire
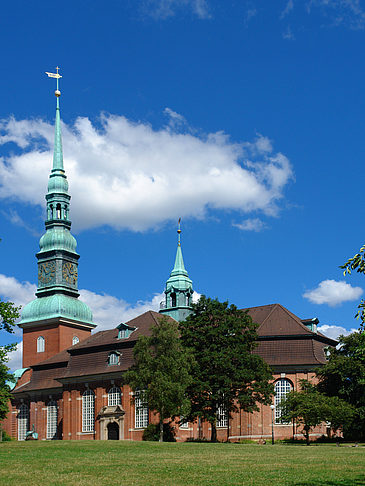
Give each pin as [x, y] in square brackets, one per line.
[179, 288]
[57, 293]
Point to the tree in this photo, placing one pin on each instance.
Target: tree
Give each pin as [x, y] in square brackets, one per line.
[226, 374]
[8, 314]
[161, 371]
[357, 262]
[344, 376]
[310, 408]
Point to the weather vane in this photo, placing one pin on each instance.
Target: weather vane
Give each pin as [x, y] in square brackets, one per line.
[57, 76]
[179, 231]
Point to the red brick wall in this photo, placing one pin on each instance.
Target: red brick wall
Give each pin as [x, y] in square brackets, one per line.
[57, 338]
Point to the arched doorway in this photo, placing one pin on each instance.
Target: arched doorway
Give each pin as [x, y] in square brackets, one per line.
[113, 431]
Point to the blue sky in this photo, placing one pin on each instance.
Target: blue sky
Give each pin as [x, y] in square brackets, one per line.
[245, 118]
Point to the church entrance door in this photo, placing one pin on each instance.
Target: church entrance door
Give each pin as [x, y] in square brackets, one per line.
[113, 431]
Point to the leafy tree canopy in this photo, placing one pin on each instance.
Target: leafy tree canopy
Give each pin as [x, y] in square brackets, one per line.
[357, 262]
[344, 376]
[226, 373]
[310, 408]
[8, 314]
[162, 371]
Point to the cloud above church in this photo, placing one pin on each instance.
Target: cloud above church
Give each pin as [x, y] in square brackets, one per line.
[333, 292]
[128, 175]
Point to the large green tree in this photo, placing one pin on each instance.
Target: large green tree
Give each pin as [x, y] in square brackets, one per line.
[8, 314]
[161, 371]
[227, 375]
[344, 376]
[357, 262]
[309, 408]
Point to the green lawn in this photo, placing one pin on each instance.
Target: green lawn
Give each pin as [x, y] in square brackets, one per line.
[150, 463]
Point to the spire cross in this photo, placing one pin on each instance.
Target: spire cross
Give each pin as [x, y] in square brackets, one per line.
[178, 232]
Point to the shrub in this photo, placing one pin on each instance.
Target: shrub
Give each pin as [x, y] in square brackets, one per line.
[152, 433]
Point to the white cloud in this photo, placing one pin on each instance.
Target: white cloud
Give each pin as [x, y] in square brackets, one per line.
[17, 292]
[128, 175]
[109, 311]
[254, 224]
[163, 9]
[334, 332]
[333, 293]
[16, 358]
[341, 12]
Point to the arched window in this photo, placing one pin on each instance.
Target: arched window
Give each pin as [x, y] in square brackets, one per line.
[58, 211]
[40, 344]
[187, 299]
[23, 421]
[88, 411]
[75, 340]
[282, 388]
[222, 417]
[113, 359]
[52, 420]
[114, 396]
[173, 299]
[141, 411]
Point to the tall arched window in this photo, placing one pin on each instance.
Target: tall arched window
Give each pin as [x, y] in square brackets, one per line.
[40, 344]
[23, 421]
[58, 211]
[114, 396]
[282, 388]
[52, 420]
[173, 299]
[222, 417]
[88, 411]
[75, 340]
[141, 411]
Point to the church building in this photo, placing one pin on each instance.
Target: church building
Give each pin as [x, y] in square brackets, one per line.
[70, 386]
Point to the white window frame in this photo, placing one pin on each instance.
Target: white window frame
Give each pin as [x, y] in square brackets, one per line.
[282, 388]
[75, 340]
[184, 424]
[140, 411]
[41, 344]
[222, 417]
[88, 411]
[114, 397]
[113, 358]
[23, 421]
[52, 420]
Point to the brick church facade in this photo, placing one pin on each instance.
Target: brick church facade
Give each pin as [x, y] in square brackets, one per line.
[70, 386]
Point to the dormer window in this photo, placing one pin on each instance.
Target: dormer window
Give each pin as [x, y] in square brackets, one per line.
[113, 359]
[124, 331]
[40, 344]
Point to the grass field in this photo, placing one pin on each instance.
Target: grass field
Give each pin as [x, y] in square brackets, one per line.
[150, 463]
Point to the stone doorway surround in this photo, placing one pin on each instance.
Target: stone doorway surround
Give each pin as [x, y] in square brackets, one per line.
[109, 414]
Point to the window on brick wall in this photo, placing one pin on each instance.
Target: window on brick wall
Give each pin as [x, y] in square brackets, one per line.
[23, 421]
[141, 411]
[88, 411]
[222, 417]
[282, 388]
[40, 344]
[75, 340]
[52, 420]
[114, 396]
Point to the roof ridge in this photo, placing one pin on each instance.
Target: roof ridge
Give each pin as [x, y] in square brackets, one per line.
[297, 319]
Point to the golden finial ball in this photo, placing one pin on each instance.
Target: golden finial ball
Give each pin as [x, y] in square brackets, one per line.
[57, 93]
